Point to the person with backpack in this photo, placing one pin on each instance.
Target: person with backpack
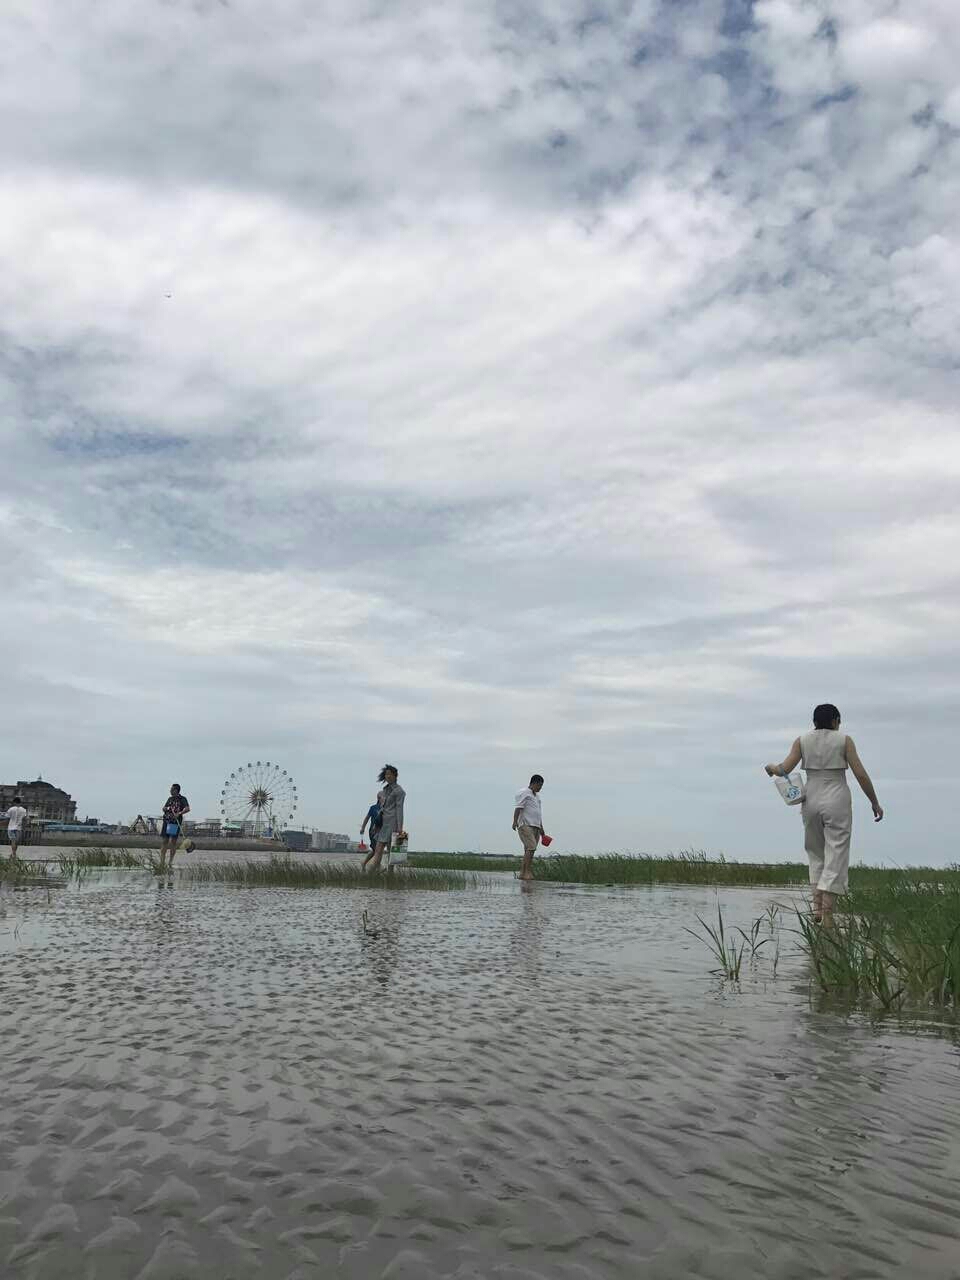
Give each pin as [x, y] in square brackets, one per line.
[375, 818]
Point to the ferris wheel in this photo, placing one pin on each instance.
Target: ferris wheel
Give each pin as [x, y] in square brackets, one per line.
[260, 796]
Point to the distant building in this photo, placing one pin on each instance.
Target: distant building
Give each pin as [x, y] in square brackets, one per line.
[205, 827]
[41, 800]
[298, 841]
[90, 827]
[317, 841]
[329, 842]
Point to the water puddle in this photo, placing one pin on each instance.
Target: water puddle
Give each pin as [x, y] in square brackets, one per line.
[221, 1082]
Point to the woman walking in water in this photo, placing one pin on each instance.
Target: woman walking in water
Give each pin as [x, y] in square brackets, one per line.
[391, 812]
[827, 810]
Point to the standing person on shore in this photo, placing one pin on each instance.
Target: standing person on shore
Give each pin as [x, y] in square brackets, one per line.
[391, 813]
[177, 805]
[375, 818]
[827, 809]
[528, 822]
[16, 817]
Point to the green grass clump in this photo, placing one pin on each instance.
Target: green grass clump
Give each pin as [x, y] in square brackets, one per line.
[79, 860]
[688, 867]
[894, 941]
[285, 872]
[726, 950]
[16, 871]
[463, 862]
[683, 868]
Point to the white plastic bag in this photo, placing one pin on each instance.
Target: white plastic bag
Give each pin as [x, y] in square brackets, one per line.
[398, 852]
[792, 787]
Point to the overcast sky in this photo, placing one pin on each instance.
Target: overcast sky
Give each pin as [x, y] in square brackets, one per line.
[485, 387]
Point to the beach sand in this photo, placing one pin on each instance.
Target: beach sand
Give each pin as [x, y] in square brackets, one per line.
[200, 1081]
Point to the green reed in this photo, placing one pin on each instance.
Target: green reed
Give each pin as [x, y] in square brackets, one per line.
[464, 862]
[727, 952]
[893, 941]
[688, 867]
[285, 872]
[95, 856]
[16, 871]
[691, 866]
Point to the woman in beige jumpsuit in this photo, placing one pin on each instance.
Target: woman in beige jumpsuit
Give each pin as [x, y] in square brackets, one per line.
[827, 810]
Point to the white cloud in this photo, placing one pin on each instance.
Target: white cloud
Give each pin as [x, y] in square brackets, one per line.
[889, 50]
[488, 387]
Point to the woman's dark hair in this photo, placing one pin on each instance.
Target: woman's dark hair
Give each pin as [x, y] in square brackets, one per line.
[382, 775]
[536, 778]
[824, 715]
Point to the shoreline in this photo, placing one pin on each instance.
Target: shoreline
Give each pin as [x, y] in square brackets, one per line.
[133, 840]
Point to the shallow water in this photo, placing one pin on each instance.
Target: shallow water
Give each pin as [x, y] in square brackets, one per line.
[218, 1082]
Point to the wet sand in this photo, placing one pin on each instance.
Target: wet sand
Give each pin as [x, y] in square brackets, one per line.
[205, 1081]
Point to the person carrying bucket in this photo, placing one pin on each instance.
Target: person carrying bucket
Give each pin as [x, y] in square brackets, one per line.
[176, 806]
[826, 754]
[391, 821]
[528, 823]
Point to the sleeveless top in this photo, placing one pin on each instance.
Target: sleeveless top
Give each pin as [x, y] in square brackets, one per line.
[823, 749]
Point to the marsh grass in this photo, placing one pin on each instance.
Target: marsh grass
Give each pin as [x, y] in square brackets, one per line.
[96, 856]
[462, 862]
[16, 871]
[893, 941]
[727, 952]
[689, 867]
[286, 872]
[753, 939]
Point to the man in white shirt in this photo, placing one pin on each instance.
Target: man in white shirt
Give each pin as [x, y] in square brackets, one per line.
[16, 816]
[528, 823]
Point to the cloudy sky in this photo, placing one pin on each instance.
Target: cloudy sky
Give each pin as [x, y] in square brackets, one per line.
[486, 387]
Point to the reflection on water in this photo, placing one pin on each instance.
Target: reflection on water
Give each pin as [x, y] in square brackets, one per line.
[532, 1082]
[380, 937]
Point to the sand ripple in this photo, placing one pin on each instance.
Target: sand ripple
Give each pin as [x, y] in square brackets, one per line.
[540, 1086]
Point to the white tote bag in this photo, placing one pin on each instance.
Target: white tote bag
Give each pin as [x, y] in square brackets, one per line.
[398, 853]
[792, 787]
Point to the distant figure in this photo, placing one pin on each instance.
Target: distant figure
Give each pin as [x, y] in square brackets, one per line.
[827, 808]
[375, 818]
[528, 823]
[176, 807]
[391, 813]
[16, 817]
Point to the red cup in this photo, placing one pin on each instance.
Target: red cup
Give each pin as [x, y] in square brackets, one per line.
[546, 840]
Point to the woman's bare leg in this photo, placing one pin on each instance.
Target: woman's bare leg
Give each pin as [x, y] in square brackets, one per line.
[826, 908]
